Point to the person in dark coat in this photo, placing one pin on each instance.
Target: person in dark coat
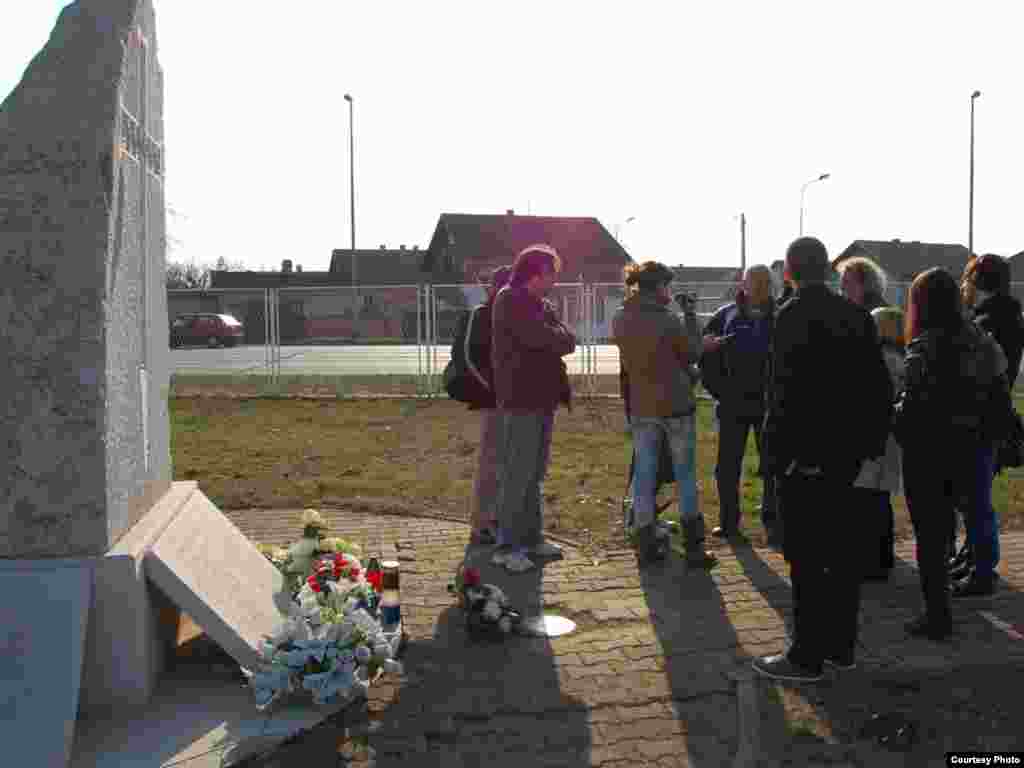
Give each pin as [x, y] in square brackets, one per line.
[985, 291]
[954, 375]
[741, 331]
[829, 410]
[528, 343]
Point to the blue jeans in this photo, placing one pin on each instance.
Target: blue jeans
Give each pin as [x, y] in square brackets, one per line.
[981, 520]
[681, 434]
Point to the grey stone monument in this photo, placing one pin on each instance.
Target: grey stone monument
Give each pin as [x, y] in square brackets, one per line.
[96, 542]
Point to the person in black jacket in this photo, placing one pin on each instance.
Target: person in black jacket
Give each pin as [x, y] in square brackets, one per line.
[954, 375]
[985, 290]
[741, 333]
[829, 409]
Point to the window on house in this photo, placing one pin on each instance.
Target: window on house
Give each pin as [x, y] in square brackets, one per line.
[368, 300]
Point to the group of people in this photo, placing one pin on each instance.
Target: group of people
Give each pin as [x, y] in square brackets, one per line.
[850, 400]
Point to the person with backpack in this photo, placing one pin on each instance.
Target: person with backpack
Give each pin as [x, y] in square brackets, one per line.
[735, 370]
[528, 343]
[473, 347]
[985, 291]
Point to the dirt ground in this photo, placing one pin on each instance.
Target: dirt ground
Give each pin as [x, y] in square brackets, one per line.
[419, 456]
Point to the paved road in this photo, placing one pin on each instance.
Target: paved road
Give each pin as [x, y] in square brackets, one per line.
[346, 360]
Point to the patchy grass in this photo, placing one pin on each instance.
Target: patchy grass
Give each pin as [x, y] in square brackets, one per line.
[287, 453]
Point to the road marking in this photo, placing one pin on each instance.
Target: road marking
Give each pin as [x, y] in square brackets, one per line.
[1008, 628]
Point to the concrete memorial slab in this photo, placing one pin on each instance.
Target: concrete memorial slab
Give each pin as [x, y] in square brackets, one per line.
[210, 570]
[41, 658]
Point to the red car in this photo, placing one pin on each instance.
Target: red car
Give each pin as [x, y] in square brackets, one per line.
[210, 329]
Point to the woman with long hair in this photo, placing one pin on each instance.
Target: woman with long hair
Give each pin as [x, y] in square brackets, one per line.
[656, 351]
[942, 420]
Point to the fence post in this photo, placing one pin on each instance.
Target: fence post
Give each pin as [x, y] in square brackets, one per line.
[420, 387]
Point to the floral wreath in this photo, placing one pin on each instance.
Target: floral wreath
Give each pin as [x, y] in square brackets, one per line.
[331, 643]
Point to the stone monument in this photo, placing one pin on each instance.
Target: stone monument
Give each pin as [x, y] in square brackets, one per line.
[96, 542]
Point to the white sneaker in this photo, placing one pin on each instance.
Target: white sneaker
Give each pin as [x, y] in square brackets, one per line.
[546, 549]
[517, 562]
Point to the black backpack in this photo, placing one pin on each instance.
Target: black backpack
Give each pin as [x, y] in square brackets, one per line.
[459, 382]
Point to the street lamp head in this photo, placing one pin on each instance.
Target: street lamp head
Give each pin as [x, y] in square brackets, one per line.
[348, 97]
[824, 176]
[976, 94]
[631, 218]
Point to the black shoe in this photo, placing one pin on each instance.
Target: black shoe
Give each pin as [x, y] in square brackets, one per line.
[975, 587]
[961, 557]
[961, 571]
[781, 668]
[844, 662]
[922, 627]
[719, 532]
[649, 548]
[878, 574]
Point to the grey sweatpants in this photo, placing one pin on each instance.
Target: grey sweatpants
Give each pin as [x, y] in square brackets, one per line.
[527, 436]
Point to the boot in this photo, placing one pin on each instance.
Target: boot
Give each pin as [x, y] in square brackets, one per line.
[648, 548]
[696, 555]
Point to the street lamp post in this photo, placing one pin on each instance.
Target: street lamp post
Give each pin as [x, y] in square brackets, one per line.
[803, 189]
[970, 200]
[352, 182]
[618, 227]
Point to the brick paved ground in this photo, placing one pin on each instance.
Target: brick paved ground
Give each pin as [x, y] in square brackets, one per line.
[645, 679]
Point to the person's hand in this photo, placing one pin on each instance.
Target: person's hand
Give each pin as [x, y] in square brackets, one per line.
[712, 343]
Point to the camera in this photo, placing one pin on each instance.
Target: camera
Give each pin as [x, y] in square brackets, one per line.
[686, 301]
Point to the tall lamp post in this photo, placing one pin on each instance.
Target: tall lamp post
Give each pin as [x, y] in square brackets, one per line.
[803, 189]
[352, 182]
[618, 227]
[970, 200]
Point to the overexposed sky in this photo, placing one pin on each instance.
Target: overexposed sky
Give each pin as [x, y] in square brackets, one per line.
[681, 115]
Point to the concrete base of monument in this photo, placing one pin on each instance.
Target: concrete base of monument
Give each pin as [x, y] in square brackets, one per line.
[93, 636]
[196, 718]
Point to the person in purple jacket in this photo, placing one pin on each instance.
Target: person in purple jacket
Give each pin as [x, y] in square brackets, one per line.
[528, 343]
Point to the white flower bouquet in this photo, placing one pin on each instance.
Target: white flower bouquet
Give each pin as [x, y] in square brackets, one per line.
[331, 643]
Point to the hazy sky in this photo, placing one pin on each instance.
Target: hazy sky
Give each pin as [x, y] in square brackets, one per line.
[681, 115]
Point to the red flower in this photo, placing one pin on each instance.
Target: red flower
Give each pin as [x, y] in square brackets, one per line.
[354, 573]
[471, 577]
[314, 584]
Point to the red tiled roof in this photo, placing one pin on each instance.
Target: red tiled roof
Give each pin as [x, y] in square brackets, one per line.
[583, 244]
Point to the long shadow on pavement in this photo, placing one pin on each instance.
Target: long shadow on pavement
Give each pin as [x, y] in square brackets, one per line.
[708, 630]
[470, 701]
[894, 673]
